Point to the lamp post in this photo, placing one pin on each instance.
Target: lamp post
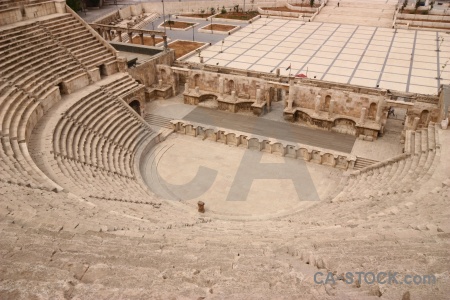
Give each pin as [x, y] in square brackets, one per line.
[164, 25]
[164, 17]
[441, 40]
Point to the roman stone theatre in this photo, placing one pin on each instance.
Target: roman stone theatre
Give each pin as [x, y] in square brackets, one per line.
[224, 149]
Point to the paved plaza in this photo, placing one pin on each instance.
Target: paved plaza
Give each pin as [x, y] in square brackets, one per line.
[277, 130]
[401, 60]
[239, 182]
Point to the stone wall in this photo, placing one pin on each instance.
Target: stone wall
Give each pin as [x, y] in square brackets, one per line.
[258, 143]
[244, 87]
[347, 103]
[421, 114]
[31, 11]
[146, 73]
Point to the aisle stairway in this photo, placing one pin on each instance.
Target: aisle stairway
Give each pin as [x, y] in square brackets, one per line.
[362, 162]
[364, 13]
[158, 121]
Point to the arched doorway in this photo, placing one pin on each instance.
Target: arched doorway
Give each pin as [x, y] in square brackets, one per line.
[136, 106]
[372, 111]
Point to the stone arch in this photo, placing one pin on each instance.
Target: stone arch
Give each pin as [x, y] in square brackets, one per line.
[326, 105]
[208, 100]
[344, 125]
[162, 74]
[372, 111]
[303, 117]
[230, 86]
[424, 116]
[136, 106]
[196, 80]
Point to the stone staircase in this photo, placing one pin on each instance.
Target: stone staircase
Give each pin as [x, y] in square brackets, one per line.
[364, 13]
[158, 121]
[361, 163]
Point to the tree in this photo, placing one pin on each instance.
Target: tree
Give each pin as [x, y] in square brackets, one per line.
[75, 5]
[417, 4]
[311, 3]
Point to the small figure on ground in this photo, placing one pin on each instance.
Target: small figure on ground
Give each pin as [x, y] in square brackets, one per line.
[391, 112]
[338, 4]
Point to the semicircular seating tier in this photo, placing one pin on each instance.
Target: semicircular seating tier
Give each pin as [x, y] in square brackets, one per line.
[400, 174]
[52, 77]
[89, 143]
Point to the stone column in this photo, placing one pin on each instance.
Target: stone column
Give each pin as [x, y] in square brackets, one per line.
[291, 94]
[415, 123]
[160, 83]
[186, 87]
[108, 34]
[165, 41]
[278, 72]
[153, 39]
[221, 87]
[120, 35]
[362, 118]
[197, 90]
[331, 108]
[283, 95]
[130, 36]
[258, 96]
[379, 110]
[233, 96]
[317, 105]
[141, 35]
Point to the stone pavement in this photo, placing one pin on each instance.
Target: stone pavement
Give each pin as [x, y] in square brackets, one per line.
[189, 35]
[273, 129]
[401, 60]
[236, 185]
[273, 125]
[365, 13]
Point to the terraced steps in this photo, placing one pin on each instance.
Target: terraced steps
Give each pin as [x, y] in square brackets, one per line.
[363, 162]
[158, 121]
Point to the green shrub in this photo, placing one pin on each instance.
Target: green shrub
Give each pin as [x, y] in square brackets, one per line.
[75, 5]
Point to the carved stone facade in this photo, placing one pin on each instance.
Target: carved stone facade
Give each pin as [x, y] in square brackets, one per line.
[335, 107]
